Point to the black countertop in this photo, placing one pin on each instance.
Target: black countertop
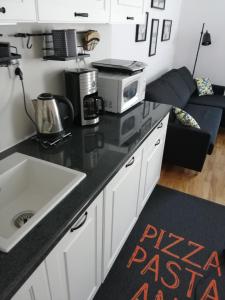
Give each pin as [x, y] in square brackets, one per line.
[98, 151]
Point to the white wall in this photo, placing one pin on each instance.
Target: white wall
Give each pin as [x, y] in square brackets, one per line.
[123, 45]
[39, 76]
[117, 41]
[211, 62]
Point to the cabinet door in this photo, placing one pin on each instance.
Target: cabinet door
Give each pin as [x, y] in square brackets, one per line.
[17, 10]
[92, 11]
[74, 265]
[36, 287]
[128, 11]
[120, 209]
[55, 10]
[152, 162]
[80, 11]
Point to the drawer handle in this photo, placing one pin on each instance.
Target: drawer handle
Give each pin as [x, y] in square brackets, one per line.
[130, 163]
[80, 222]
[83, 15]
[2, 10]
[160, 125]
[157, 143]
[130, 18]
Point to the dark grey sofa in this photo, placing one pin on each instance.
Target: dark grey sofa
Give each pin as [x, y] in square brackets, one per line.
[185, 146]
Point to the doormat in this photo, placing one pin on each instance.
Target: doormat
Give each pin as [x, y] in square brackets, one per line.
[174, 252]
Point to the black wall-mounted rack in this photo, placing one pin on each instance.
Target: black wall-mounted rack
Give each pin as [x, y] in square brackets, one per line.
[6, 54]
[6, 61]
[80, 56]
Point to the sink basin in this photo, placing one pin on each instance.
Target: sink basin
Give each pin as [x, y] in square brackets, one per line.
[29, 189]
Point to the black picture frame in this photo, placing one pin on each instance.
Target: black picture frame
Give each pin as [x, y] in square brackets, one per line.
[142, 29]
[159, 4]
[166, 30]
[153, 37]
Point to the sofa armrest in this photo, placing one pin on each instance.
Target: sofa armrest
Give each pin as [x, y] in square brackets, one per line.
[218, 89]
[186, 147]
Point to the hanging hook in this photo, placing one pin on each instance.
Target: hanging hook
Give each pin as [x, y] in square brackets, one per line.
[29, 44]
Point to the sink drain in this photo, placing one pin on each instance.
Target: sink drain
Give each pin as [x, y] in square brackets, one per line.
[20, 219]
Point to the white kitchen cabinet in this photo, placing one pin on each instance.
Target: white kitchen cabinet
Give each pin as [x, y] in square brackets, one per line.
[128, 11]
[120, 209]
[36, 287]
[74, 265]
[74, 11]
[152, 162]
[12, 11]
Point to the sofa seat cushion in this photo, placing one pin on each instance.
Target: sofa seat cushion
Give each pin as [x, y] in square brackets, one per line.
[179, 86]
[187, 77]
[208, 118]
[160, 91]
[215, 101]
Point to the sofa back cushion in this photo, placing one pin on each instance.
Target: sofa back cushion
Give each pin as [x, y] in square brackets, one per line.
[187, 77]
[160, 91]
[177, 83]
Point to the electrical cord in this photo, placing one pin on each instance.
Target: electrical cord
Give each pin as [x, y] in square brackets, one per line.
[18, 72]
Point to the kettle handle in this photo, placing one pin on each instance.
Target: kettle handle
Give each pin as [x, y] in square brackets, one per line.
[69, 104]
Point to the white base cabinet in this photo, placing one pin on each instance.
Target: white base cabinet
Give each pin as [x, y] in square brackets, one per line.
[120, 209]
[128, 192]
[79, 263]
[17, 11]
[80, 11]
[36, 287]
[74, 265]
[128, 11]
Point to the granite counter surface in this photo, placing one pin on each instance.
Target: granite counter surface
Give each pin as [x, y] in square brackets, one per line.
[100, 152]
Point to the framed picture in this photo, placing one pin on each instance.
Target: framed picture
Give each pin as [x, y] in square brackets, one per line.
[141, 30]
[154, 37]
[160, 4]
[166, 30]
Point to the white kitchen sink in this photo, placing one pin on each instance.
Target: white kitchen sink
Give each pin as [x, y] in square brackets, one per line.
[29, 189]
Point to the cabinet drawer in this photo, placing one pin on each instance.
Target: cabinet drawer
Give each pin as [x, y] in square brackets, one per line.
[157, 133]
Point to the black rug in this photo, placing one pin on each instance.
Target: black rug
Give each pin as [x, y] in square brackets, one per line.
[174, 252]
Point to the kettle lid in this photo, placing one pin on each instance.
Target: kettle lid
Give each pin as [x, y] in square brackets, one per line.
[45, 96]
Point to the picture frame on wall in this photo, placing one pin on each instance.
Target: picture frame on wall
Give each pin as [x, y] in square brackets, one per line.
[159, 4]
[141, 30]
[154, 37]
[166, 30]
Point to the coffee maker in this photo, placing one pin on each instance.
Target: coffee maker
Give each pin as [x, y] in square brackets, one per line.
[81, 90]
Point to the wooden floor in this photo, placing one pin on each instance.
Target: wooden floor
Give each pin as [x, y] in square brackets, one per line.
[209, 184]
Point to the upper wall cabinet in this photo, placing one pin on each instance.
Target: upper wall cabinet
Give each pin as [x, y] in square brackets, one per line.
[74, 11]
[12, 11]
[128, 11]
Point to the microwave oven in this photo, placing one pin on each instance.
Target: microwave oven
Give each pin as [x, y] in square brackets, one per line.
[121, 91]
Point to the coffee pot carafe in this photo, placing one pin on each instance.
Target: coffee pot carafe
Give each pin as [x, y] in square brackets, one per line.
[49, 114]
